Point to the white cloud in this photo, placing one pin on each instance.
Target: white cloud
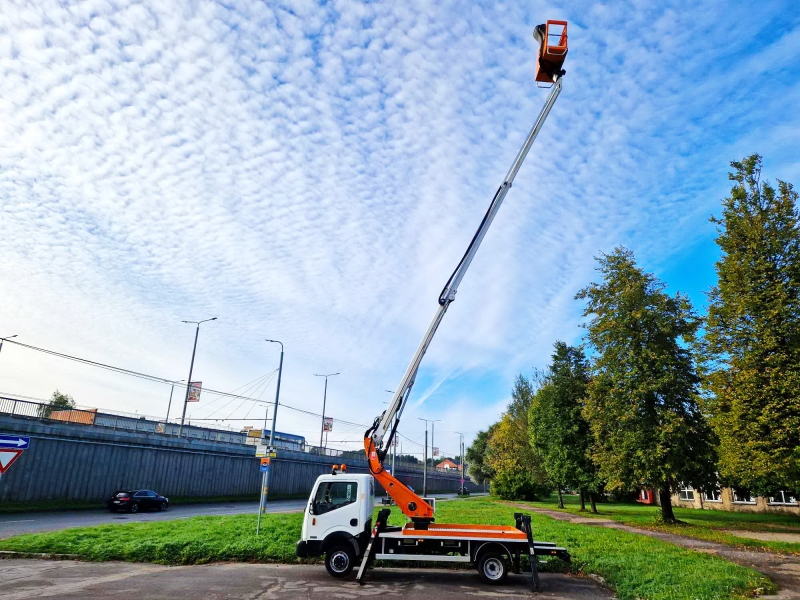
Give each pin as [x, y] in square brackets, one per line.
[313, 173]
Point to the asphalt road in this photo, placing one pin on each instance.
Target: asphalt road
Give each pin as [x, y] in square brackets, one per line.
[17, 524]
[21, 579]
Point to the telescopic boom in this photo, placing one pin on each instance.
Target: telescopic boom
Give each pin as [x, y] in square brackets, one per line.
[376, 444]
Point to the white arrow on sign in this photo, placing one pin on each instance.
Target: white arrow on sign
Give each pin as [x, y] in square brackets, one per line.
[16, 442]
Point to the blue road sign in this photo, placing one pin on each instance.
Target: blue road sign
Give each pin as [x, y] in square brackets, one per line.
[17, 442]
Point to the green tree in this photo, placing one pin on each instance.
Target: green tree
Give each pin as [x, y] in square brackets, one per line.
[642, 404]
[58, 401]
[518, 474]
[557, 429]
[752, 340]
[475, 457]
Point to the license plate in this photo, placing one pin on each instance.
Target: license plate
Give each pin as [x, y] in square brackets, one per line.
[117, 502]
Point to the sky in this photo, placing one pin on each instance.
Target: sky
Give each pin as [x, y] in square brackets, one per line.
[312, 173]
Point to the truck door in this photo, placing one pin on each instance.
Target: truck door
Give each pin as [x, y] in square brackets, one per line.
[335, 507]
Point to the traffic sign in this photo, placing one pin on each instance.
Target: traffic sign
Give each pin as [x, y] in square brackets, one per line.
[17, 442]
[264, 465]
[7, 458]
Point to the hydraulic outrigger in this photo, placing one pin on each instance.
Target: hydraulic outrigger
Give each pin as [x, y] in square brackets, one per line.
[338, 519]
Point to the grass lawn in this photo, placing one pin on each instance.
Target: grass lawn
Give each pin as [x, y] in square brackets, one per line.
[635, 566]
[702, 524]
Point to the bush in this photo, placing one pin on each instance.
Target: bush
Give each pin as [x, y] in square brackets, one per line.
[518, 485]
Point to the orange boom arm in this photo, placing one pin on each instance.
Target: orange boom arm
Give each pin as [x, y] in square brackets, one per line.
[412, 505]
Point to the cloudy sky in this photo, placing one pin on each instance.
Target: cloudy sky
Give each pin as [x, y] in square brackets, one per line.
[312, 172]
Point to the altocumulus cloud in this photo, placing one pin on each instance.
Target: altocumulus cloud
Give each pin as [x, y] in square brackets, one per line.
[312, 172]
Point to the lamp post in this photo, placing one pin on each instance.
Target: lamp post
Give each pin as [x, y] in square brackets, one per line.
[191, 367]
[6, 338]
[169, 406]
[425, 459]
[262, 505]
[433, 442]
[461, 450]
[324, 400]
[394, 441]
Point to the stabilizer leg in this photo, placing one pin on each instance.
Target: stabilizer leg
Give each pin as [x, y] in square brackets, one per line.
[524, 524]
[380, 524]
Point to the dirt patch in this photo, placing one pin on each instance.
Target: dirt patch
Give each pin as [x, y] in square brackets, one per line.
[766, 536]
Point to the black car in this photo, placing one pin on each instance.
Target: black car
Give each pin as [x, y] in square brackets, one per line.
[136, 500]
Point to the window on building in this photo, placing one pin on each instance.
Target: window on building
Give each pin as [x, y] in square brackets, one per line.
[783, 497]
[743, 497]
[713, 495]
[686, 494]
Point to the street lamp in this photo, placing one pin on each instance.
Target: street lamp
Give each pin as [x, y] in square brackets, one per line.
[277, 395]
[425, 456]
[6, 338]
[461, 450]
[191, 367]
[324, 400]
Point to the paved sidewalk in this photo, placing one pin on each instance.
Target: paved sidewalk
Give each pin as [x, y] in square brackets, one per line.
[783, 569]
[21, 579]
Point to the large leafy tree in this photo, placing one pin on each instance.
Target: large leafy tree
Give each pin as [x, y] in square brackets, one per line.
[518, 474]
[475, 457]
[557, 428]
[642, 403]
[58, 401]
[752, 340]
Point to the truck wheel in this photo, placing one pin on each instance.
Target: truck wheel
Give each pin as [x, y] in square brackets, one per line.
[339, 561]
[493, 568]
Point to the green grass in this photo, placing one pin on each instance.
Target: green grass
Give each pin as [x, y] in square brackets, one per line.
[701, 524]
[637, 567]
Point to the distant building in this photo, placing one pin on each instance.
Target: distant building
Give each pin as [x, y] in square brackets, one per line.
[736, 500]
[447, 464]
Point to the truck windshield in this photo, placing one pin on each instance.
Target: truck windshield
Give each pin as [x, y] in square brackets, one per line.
[334, 494]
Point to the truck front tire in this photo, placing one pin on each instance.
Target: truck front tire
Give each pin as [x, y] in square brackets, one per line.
[339, 560]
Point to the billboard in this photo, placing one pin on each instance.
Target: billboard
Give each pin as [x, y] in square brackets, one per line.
[327, 424]
[435, 451]
[194, 391]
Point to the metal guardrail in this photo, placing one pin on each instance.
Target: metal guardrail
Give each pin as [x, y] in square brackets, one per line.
[142, 424]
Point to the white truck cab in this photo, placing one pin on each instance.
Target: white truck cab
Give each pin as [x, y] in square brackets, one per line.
[338, 520]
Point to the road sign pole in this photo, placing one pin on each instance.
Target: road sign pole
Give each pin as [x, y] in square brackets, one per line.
[261, 501]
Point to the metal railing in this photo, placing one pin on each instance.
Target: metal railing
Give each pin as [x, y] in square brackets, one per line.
[142, 424]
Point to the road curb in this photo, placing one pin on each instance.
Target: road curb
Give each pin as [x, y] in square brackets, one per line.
[42, 555]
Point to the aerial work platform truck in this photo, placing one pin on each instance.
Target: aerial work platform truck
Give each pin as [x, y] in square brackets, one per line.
[338, 517]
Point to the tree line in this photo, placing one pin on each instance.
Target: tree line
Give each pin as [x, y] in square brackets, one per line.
[658, 396]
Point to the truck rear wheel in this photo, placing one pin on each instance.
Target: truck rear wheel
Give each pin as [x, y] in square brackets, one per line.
[339, 561]
[493, 568]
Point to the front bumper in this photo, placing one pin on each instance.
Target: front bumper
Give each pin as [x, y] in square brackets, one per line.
[306, 548]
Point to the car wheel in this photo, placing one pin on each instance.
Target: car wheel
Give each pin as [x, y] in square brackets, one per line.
[339, 561]
[163, 506]
[134, 508]
[493, 568]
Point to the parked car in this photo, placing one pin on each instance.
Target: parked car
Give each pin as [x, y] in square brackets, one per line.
[136, 500]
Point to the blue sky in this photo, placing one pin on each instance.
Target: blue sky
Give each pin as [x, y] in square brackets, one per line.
[312, 173]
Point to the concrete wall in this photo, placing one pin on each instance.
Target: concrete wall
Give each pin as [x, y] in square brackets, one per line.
[69, 461]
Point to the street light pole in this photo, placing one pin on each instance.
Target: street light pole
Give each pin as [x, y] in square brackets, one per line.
[191, 368]
[425, 460]
[394, 442]
[262, 505]
[324, 401]
[461, 450]
[433, 442]
[169, 406]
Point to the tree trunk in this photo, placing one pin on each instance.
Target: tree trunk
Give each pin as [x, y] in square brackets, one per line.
[583, 500]
[665, 499]
[592, 502]
[560, 498]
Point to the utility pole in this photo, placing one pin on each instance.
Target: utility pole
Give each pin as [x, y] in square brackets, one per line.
[425, 466]
[324, 401]
[461, 466]
[169, 406]
[191, 367]
[433, 443]
[262, 505]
